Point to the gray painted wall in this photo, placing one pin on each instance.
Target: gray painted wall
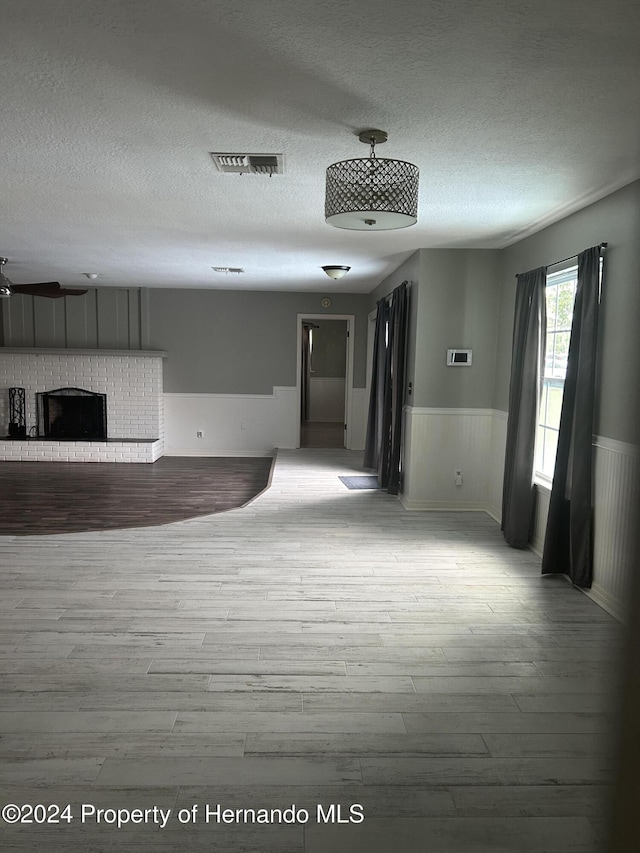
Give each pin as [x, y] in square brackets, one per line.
[409, 270]
[616, 220]
[240, 342]
[454, 302]
[458, 307]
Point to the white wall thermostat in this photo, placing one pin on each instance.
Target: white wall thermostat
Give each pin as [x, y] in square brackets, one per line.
[458, 358]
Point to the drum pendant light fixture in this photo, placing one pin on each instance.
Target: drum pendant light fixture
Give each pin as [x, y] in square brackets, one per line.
[371, 193]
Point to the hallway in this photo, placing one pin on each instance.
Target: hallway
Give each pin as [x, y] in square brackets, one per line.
[317, 646]
[321, 435]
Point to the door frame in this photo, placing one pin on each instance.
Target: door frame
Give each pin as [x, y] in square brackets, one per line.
[371, 334]
[348, 385]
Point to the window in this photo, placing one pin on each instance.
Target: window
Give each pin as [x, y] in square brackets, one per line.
[560, 296]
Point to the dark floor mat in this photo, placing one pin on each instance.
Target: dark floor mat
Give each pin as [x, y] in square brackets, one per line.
[368, 481]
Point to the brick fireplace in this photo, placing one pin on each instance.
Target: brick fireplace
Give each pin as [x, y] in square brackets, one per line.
[129, 381]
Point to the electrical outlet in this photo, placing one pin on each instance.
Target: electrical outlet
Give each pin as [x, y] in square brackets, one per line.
[199, 434]
[457, 477]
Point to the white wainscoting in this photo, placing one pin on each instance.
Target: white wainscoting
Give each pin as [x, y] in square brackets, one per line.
[244, 424]
[616, 484]
[231, 424]
[357, 421]
[437, 443]
[326, 399]
[440, 441]
[495, 473]
[540, 519]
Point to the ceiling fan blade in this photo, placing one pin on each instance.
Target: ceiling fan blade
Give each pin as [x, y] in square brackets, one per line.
[49, 289]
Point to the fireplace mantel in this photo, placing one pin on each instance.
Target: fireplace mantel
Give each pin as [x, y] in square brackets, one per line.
[136, 353]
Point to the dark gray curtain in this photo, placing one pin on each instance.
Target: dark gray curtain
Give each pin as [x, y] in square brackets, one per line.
[304, 379]
[374, 437]
[568, 543]
[527, 357]
[383, 446]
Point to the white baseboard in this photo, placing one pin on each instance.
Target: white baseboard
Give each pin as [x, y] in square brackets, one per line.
[536, 546]
[612, 606]
[219, 453]
[441, 506]
[495, 512]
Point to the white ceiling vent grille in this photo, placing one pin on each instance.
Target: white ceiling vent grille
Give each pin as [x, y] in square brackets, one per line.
[249, 164]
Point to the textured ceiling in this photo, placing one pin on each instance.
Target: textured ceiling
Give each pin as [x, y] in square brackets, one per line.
[516, 113]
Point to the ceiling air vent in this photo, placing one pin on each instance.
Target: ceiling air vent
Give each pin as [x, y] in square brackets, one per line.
[249, 164]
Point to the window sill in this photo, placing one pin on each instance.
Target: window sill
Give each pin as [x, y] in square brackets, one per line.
[543, 484]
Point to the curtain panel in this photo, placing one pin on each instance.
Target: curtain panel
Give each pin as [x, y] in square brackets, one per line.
[374, 436]
[304, 385]
[568, 544]
[525, 388]
[383, 446]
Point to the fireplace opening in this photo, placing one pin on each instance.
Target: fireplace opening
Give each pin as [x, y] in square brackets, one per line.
[72, 413]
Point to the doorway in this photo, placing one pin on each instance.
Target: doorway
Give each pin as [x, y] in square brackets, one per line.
[324, 380]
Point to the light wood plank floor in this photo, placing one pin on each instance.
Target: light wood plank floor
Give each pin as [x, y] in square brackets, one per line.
[318, 646]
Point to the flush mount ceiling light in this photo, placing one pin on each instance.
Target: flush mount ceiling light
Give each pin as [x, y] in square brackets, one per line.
[336, 272]
[371, 193]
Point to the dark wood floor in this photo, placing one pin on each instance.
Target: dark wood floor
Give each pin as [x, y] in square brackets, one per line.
[65, 497]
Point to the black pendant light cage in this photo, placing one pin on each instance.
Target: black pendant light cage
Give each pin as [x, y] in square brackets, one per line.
[17, 420]
[373, 184]
[371, 193]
